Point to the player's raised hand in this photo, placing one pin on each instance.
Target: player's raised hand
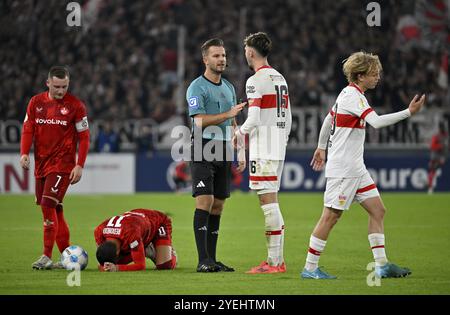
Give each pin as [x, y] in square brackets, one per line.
[75, 175]
[318, 160]
[107, 266]
[236, 109]
[25, 161]
[416, 104]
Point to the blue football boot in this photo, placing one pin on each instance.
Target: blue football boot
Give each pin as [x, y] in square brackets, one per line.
[391, 271]
[316, 274]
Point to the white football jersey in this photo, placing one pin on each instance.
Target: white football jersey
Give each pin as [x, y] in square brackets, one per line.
[270, 91]
[348, 132]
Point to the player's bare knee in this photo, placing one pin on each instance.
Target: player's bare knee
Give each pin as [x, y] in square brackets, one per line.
[379, 212]
[204, 202]
[168, 265]
[217, 206]
[331, 216]
[217, 210]
[267, 198]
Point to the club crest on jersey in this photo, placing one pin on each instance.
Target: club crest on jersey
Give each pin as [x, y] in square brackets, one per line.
[342, 199]
[64, 111]
[362, 122]
[193, 102]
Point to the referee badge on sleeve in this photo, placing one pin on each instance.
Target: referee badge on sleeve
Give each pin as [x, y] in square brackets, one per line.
[193, 102]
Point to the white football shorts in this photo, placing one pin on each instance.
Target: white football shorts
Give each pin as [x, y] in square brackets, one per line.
[341, 192]
[265, 175]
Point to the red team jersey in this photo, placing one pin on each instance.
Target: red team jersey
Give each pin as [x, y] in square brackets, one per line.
[136, 228]
[55, 125]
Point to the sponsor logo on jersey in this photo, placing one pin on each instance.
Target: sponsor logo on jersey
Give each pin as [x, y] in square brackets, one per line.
[276, 77]
[193, 102]
[64, 111]
[114, 231]
[361, 103]
[250, 89]
[52, 121]
[134, 244]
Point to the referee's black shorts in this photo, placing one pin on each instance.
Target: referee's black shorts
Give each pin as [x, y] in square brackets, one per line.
[211, 178]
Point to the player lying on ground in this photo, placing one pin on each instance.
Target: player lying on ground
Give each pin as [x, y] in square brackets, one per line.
[348, 180]
[125, 240]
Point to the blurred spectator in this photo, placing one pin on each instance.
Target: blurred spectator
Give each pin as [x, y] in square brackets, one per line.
[236, 178]
[182, 177]
[124, 62]
[439, 152]
[107, 139]
[144, 142]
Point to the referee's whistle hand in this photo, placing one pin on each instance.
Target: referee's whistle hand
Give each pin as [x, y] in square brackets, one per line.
[236, 109]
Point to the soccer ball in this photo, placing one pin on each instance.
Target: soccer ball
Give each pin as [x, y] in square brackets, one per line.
[74, 258]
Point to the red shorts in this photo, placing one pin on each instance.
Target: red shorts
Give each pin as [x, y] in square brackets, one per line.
[53, 185]
[164, 235]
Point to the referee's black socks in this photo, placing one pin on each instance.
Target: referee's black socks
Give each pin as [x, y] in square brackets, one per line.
[213, 234]
[201, 233]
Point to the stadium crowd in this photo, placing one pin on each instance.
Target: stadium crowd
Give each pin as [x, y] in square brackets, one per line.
[123, 59]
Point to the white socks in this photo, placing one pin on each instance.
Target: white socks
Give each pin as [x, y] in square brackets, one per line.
[316, 247]
[376, 241]
[274, 233]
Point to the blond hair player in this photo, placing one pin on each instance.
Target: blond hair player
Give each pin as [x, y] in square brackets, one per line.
[348, 180]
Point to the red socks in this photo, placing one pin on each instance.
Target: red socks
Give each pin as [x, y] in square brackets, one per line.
[55, 228]
[50, 229]
[63, 234]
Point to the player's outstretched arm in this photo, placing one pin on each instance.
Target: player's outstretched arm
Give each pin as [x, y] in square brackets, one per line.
[389, 119]
[416, 104]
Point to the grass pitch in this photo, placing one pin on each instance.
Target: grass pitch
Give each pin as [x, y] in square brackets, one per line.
[417, 229]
